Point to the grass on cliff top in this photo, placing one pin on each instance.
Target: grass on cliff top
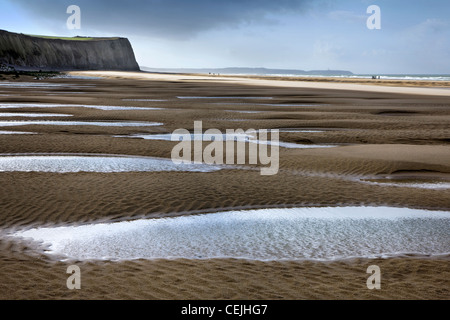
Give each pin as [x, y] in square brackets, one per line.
[77, 38]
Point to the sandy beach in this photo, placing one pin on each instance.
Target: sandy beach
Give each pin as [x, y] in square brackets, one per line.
[382, 132]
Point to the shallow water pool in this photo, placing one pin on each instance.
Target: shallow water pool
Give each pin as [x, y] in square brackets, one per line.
[53, 105]
[267, 234]
[84, 163]
[16, 132]
[227, 137]
[32, 115]
[13, 123]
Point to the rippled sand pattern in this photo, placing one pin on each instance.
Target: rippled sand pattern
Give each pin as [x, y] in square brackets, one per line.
[375, 133]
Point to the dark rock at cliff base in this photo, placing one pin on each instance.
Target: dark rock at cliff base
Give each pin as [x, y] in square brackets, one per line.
[30, 53]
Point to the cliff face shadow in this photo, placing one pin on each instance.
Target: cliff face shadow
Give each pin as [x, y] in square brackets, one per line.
[31, 53]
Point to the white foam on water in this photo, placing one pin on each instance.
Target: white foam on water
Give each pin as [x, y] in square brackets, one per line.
[105, 164]
[32, 115]
[54, 105]
[79, 123]
[16, 132]
[266, 234]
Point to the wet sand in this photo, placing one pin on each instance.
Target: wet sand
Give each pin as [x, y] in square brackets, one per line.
[380, 132]
[423, 87]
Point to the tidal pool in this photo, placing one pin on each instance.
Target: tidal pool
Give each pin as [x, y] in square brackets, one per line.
[54, 105]
[40, 85]
[32, 115]
[13, 123]
[94, 163]
[270, 104]
[231, 97]
[145, 100]
[267, 234]
[225, 137]
[245, 111]
[16, 132]
[301, 130]
[434, 185]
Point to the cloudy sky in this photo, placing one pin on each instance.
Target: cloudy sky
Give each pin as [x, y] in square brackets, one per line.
[292, 34]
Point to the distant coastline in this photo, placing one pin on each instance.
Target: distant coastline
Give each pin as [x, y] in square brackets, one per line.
[250, 71]
[298, 73]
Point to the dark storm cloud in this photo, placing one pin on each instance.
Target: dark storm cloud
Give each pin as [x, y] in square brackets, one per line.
[166, 18]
